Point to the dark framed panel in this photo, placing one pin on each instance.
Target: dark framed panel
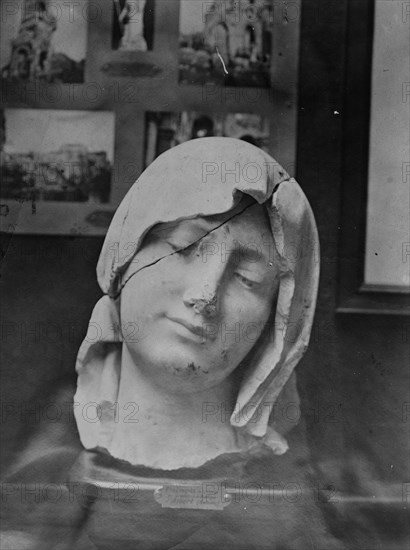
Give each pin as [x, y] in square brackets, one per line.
[354, 295]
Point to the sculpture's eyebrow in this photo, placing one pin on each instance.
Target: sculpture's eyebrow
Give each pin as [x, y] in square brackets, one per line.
[253, 253]
[198, 225]
[201, 229]
[176, 225]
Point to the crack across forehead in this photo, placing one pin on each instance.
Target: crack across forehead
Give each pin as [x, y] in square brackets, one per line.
[165, 227]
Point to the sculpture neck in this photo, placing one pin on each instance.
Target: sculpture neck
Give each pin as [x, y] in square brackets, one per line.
[166, 430]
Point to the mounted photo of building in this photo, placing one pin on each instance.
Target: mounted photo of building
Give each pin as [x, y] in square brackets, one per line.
[165, 130]
[226, 42]
[43, 40]
[52, 164]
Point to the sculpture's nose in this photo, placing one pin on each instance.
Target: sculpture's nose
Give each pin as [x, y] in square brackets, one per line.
[203, 299]
[203, 291]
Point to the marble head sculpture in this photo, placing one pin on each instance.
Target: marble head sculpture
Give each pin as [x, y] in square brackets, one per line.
[209, 271]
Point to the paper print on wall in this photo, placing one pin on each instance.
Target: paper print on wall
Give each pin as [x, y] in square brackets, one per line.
[56, 167]
[165, 130]
[229, 42]
[44, 40]
[133, 25]
[57, 155]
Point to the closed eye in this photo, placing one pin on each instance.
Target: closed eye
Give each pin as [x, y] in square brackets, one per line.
[248, 283]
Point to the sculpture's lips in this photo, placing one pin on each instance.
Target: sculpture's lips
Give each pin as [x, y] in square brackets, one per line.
[197, 329]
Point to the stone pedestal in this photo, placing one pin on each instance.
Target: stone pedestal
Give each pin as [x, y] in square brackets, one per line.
[126, 510]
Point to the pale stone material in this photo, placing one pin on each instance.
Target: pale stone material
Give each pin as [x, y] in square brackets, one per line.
[189, 356]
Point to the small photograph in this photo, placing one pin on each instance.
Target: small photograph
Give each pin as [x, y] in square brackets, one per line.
[133, 25]
[44, 40]
[165, 130]
[228, 43]
[57, 155]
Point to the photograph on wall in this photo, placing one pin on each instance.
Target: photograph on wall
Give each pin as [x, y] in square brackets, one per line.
[228, 43]
[63, 156]
[133, 25]
[165, 130]
[43, 40]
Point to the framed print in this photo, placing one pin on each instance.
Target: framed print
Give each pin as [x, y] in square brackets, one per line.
[229, 43]
[165, 130]
[374, 245]
[57, 169]
[388, 200]
[136, 39]
[133, 25]
[43, 40]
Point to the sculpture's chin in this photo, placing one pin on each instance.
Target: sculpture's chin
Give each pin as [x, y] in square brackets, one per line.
[185, 370]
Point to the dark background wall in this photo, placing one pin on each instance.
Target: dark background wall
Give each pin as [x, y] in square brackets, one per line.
[357, 366]
[354, 380]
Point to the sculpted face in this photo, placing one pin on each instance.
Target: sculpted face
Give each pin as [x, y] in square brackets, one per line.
[201, 305]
